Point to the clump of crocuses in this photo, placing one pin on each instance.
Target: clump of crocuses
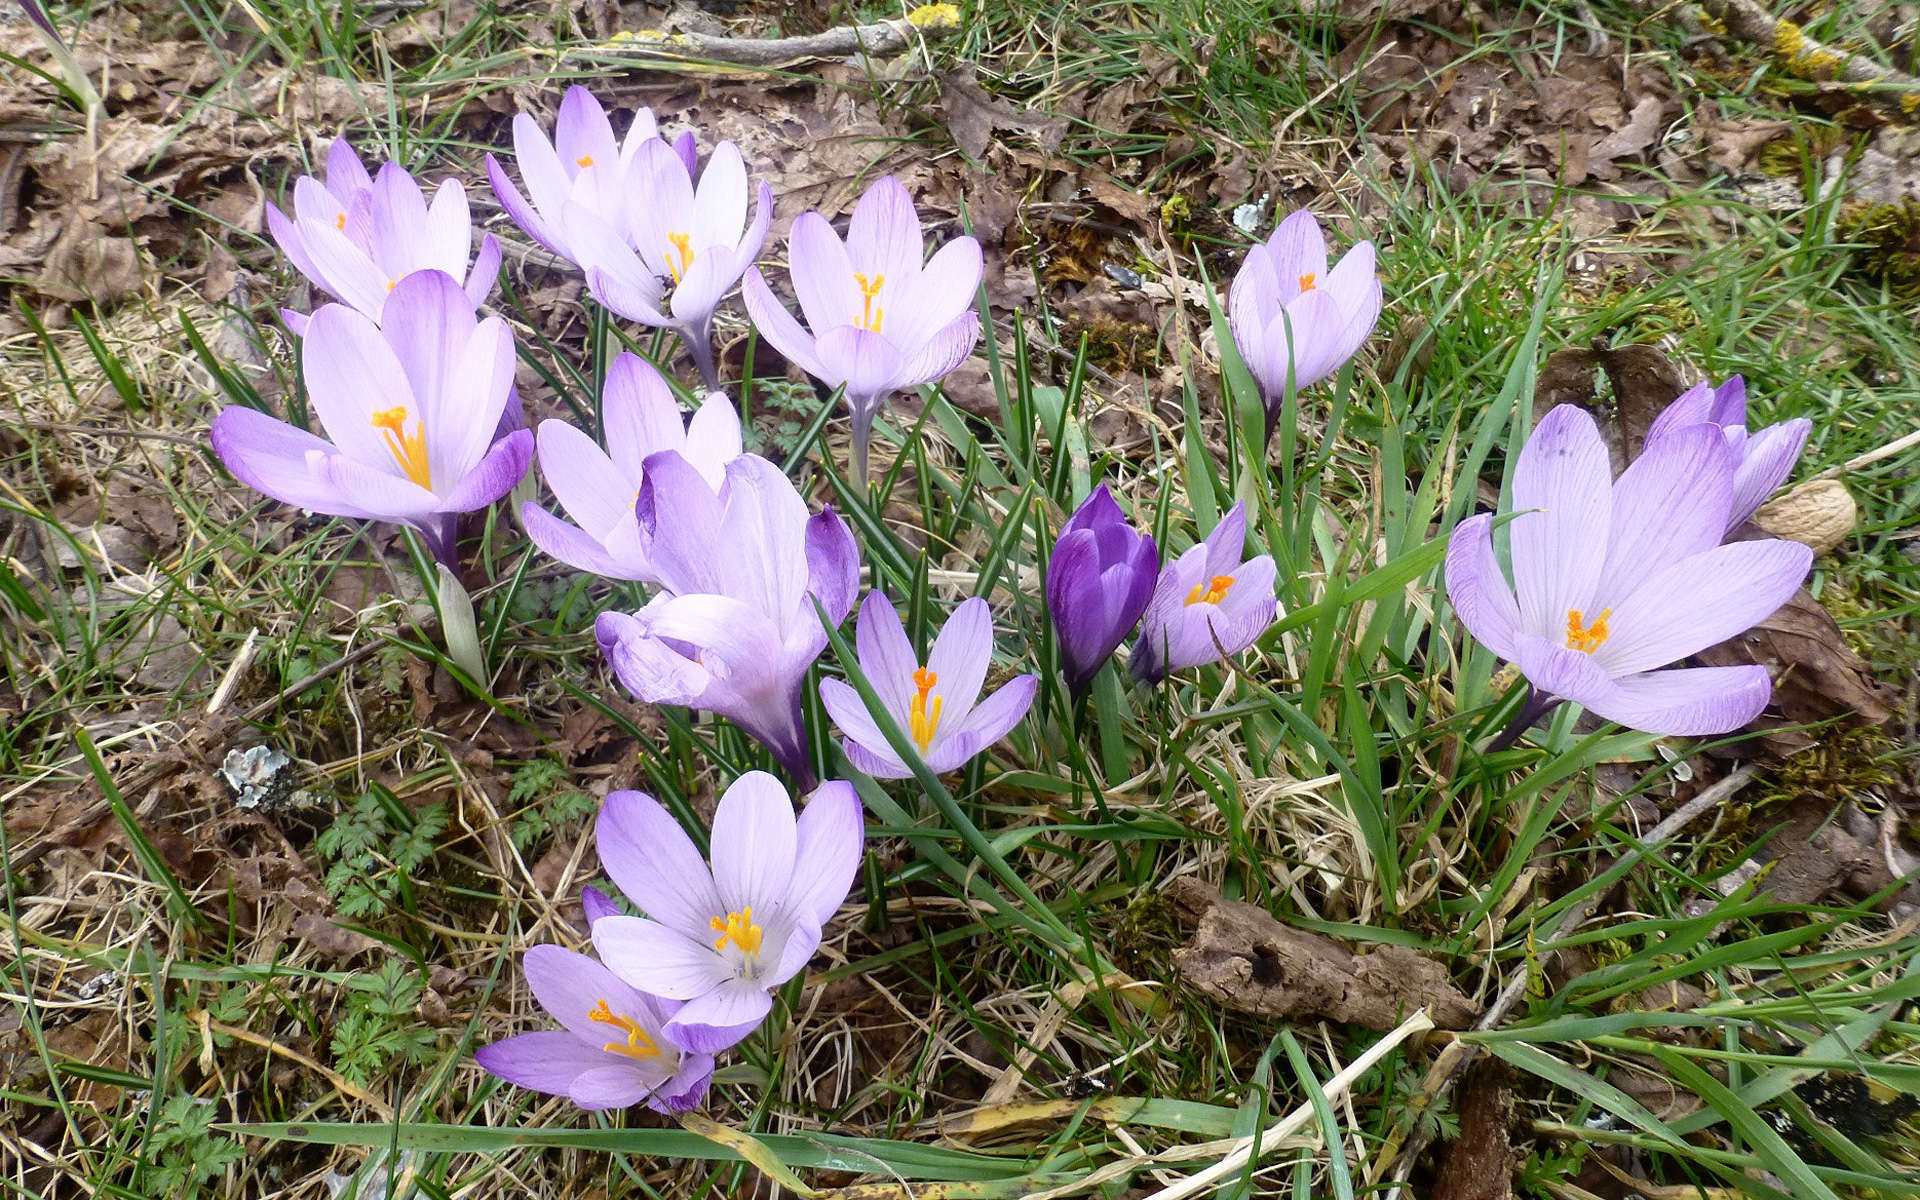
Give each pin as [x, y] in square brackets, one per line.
[1294, 321]
[1099, 580]
[1207, 605]
[412, 410]
[1614, 579]
[938, 705]
[879, 319]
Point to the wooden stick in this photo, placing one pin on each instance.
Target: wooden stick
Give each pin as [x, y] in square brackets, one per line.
[882, 39]
[1816, 61]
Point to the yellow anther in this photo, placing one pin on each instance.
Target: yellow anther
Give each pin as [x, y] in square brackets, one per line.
[871, 314]
[1214, 593]
[1583, 637]
[683, 242]
[738, 928]
[392, 283]
[340, 222]
[408, 449]
[638, 1044]
[1306, 281]
[585, 160]
[921, 722]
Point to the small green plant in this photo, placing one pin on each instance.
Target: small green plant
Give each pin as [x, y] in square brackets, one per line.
[186, 1153]
[375, 847]
[542, 803]
[380, 1029]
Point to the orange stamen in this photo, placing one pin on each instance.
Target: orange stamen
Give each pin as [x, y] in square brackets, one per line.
[638, 1044]
[1306, 281]
[585, 160]
[683, 242]
[408, 449]
[921, 723]
[340, 222]
[1587, 638]
[871, 315]
[1215, 592]
[738, 928]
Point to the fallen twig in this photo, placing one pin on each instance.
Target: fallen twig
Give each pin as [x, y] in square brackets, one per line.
[1816, 61]
[881, 39]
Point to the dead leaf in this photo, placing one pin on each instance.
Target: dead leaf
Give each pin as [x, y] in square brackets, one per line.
[973, 117]
[1644, 381]
[1817, 676]
[1248, 961]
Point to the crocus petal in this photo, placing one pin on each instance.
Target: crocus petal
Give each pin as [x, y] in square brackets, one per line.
[688, 1087]
[713, 437]
[581, 130]
[346, 174]
[1477, 589]
[351, 372]
[995, 717]
[822, 274]
[382, 494]
[344, 269]
[869, 363]
[658, 174]
[877, 760]
[720, 200]
[886, 656]
[286, 234]
[938, 295]
[1689, 702]
[640, 415]
[849, 712]
[883, 236]
[721, 1017]
[592, 490]
[833, 563]
[596, 904]
[1564, 478]
[1770, 455]
[610, 1085]
[1554, 669]
[485, 271]
[277, 460]
[829, 841]
[448, 230]
[780, 329]
[959, 658]
[1299, 251]
[753, 843]
[1691, 407]
[565, 542]
[1700, 601]
[572, 987]
[503, 466]
[1227, 542]
[681, 517]
[942, 352]
[522, 213]
[1669, 504]
[548, 182]
[952, 749]
[1251, 302]
[429, 324]
[652, 958]
[547, 1061]
[651, 859]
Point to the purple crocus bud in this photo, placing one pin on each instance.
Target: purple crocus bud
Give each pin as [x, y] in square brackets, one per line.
[616, 1049]
[596, 904]
[597, 488]
[734, 629]
[675, 247]
[880, 319]
[355, 237]
[1612, 579]
[1763, 459]
[916, 697]
[722, 938]
[1292, 319]
[1207, 605]
[1099, 580]
[411, 409]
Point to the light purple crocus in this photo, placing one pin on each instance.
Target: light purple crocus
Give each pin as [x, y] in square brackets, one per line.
[598, 488]
[880, 319]
[734, 629]
[616, 1049]
[1763, 459]
[1207, 605]
[947, 735]
[356, 237]
[411, 409]
[721, 938]
[583, 165]
[1294, 321]
[1613, 579]
[675, 247]
[1099, 579]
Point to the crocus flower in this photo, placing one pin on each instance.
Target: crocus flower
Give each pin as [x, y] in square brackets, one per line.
[674, 248]
[1612, 579]
[615, 1050]
[583, 165]
[735, 628]
[1099, 580]
[355, 237]
[880, 320]
[411, 409]
[1762, 460]
[1293, 320]
[916, 697]
[597, 488]
[721, 938]
[1207, 605]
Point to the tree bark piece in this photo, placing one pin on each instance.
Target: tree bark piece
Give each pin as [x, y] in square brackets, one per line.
[881, 39]
[1243, 957]
[1803, 56]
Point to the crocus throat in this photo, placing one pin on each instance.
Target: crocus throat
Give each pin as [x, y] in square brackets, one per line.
[638, 1045]
[1306, 281]
[871, 314]
[921, 722]
[1215, 592]
[683, 242]
[408, 449]
[738, 928]
[1587, 638]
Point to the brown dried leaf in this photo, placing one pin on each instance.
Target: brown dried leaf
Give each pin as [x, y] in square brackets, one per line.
[1644, 382]
[1241, 956]
[973, 117]
[1817, 676]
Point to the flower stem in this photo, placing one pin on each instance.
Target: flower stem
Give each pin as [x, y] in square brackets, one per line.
[1537, 704]
[699, 343]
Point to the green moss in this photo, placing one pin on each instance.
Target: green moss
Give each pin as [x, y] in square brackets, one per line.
[1886, 245]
